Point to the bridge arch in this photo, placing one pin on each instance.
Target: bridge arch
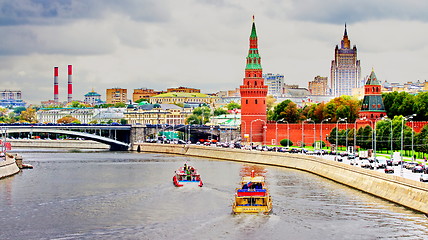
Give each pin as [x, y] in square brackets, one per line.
[114, 144]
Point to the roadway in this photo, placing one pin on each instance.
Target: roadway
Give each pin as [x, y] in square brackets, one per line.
[397, 169]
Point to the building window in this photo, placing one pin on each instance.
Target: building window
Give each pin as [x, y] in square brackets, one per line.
[256, 101]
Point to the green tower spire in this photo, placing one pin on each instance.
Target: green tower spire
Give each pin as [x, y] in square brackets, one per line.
[253, 58]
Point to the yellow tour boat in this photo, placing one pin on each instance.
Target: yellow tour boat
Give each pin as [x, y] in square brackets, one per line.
[253, 196]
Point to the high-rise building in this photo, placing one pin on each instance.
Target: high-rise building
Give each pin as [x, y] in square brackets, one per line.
[319, 86]
[372, 107]
[11, 99]
[345, 68]
[275, 83]
[253, 95]
[116, 95]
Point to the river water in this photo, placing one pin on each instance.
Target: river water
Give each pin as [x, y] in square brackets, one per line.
[124, 195]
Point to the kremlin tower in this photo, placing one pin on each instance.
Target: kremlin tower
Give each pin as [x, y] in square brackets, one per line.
[372, 107]
[253, 95]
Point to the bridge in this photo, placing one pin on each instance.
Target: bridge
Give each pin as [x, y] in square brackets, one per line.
[121, 137]
[117, 136]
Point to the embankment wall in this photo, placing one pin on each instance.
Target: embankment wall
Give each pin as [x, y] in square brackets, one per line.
[406, 192]
[37, 143]
[8, 167]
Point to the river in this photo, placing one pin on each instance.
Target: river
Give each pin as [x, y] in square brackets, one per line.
[127, 195]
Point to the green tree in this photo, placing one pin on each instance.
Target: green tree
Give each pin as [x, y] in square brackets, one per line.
[76, 104]
[18, 110]
[233, 105]
[200, 115]
[286, 110]
[421, 106]
[219, 111]
[119, 105]
[28, 115]
[67, 119]
[141, 100]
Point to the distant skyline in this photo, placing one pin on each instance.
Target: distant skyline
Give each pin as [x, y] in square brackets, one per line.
[200, 43]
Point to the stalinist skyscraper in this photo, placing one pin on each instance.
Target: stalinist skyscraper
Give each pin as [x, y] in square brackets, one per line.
[345, 68]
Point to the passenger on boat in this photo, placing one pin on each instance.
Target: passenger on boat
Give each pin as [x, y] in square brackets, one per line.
[185, 167]
[189, 176]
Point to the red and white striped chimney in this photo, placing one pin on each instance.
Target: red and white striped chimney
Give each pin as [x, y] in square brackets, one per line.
[70, 83]
[56, 84]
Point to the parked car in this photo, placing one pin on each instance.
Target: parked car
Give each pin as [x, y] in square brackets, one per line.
[365, 163]
[389, 169]
[351, 156]
[410, 165]
[382, 162]
[424, 178]
[418, 169]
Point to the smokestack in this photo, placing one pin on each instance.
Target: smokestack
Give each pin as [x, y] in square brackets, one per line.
[56, 84]
[70, 83]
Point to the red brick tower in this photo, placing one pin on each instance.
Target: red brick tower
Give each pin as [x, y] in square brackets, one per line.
[372, 107]
[253, 95]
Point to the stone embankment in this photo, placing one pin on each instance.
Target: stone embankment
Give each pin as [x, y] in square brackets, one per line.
[406, 192]
[8, 166]
[38, 143]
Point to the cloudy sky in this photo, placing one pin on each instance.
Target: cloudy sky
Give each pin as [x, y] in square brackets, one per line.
[200, 43]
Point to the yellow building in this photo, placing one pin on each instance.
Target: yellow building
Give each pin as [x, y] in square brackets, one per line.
[318, 86]
[184, 90]
[178, 97]
[116, 95]
[157, 114]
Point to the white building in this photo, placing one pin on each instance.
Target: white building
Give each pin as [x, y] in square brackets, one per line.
[84, 115]
[275, 83]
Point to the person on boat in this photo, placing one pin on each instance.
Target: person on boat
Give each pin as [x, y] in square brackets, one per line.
[245, 186]
[185, 167]
[189, 176]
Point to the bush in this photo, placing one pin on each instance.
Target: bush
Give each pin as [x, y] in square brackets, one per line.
[286, 142]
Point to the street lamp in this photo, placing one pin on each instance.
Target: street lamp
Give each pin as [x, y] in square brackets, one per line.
[390, 120]
[355, 133]
[327, 119]
[276, 130]
[413, 151]
[288, 131]
[310, 120]
[337, 131]
[245, 128]
[402, 130]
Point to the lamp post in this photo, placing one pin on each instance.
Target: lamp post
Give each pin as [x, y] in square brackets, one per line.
[390, 138]
[402, 138]
[327, 119]
[276, 130]
[245, 127]
[337, 131]
[413, 151]
[310, 120]
[355, 133]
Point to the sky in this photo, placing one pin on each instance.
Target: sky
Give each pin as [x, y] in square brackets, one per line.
[160, 44]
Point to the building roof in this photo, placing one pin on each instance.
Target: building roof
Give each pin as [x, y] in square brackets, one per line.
[163, 106]
[372, 79]
[180, 94]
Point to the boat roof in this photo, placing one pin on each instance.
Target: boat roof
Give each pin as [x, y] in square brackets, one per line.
[253, 179]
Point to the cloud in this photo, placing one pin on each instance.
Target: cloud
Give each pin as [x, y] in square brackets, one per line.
[48, 12]
[338, 11]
